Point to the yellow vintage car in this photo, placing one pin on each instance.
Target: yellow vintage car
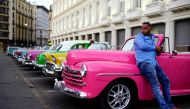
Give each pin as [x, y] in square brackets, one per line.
[54, 59]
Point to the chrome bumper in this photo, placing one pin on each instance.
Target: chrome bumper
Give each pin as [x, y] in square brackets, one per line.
[45, 71]
[60, 86]
[25, 62]
[38, 65]
[19, 59]
[52, 70]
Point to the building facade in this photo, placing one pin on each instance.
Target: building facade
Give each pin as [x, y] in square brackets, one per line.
[115, 20]
[4, 24]
[42, 26]
[50, 19]
[25, 23]
[17, 19]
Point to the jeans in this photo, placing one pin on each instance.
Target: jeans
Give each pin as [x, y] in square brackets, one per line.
[156, 76]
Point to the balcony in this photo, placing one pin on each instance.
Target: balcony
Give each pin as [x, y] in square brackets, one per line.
[134, 14]
[105, 21]
[154, 9]
[118, 18]
[179, 5]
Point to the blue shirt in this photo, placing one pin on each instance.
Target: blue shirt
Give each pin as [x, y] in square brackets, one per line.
[145, 49]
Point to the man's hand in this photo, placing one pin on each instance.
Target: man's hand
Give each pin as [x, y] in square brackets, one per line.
[158, 50]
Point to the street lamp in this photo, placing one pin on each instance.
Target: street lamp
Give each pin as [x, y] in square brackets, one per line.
[26, 33]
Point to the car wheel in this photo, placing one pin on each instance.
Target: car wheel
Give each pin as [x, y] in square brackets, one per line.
[117, 95]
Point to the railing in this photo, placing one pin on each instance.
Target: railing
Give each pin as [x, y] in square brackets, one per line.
[154, 3]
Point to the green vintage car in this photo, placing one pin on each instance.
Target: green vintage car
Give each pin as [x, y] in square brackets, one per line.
[59, 54]
[40, 59]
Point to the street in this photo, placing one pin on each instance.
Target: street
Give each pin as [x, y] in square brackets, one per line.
[24, 88]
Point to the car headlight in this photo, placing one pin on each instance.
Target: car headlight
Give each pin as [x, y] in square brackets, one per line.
[83, 70]
[28, 56]
[54, 59]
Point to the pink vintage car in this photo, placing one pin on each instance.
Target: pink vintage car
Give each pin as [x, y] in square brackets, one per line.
[114, 77]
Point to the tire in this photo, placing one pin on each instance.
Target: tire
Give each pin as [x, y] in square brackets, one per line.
[118, 95]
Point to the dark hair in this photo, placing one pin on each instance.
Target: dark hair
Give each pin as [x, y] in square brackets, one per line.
[91, 41]
[148, 23]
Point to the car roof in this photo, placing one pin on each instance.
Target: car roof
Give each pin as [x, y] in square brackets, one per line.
[74, 41]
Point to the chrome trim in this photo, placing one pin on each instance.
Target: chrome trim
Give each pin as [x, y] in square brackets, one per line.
[118, 74]
[60, 86]
[46, 71]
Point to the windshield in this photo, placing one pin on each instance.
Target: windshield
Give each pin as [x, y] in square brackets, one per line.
[45, 48]
[129, 45]
[53, 47]
[66, 46]
[98, 46]
[37, 48]
[58, 47]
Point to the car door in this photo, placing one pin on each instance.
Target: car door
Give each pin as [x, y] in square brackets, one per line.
[177, 69]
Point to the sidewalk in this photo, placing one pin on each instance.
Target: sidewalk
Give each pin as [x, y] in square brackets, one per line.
[14, 92]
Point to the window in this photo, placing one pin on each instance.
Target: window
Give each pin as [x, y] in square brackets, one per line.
[138, 4]
[182, 35]
[4, 34]
[84, 16]
[135, 4]
[97, 37]
[122, 6]
[90, 14]
[155, 1]
[108, 7]
[63, 23]
[158, 28]
[4, 27]
[72, 21]
[109, 11]
[120, 38]
[97, 12]
[4, 10]
[4, 18]
[108, 36]
[77, 38]
[135, 30]
[77, 22]
[129, 46]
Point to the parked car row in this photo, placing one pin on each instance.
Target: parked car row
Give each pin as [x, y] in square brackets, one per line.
[49, 59]
[94, 71]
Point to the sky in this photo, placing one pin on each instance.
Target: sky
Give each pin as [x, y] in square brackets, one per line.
[45, 3]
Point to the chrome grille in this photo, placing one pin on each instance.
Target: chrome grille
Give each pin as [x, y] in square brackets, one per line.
[72, 77]
[49, 66]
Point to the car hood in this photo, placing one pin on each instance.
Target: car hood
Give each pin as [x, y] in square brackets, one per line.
[77, 56]
[36, 52]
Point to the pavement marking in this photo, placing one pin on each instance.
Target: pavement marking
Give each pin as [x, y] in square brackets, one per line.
[34, 91]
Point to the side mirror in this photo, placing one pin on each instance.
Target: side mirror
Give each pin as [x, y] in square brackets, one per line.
[112, 47]
[174, 53]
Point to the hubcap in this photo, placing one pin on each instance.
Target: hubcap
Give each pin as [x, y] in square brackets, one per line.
[118, 96]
